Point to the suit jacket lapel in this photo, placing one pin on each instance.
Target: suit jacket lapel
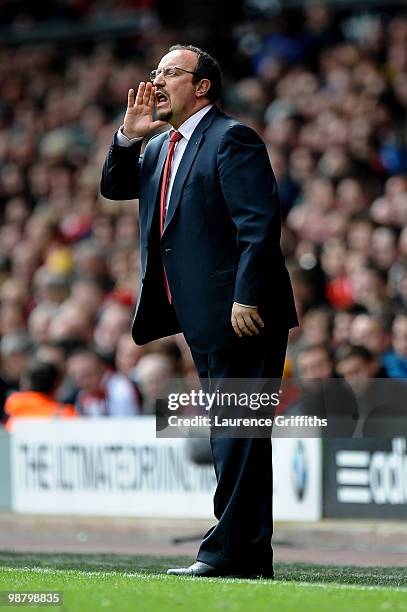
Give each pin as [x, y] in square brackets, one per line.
[186, 163]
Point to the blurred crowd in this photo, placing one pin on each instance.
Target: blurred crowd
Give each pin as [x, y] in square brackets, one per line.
[330, 103]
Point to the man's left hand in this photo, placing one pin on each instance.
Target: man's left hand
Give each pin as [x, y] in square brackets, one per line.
[246, 321]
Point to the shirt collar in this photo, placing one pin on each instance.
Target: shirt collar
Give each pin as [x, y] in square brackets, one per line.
[186, 129]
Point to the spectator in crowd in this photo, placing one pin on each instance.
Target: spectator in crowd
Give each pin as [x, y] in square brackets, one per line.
[39, 321]
[314, 361]
[12, 320]
[382, 403]
[316, 329]
[359, 235]
[15, 349]
[384, 247]
[370, 331]
[89, 293]
[56, 353]
[395, 361]
[356, 364]
[50, 287]
[323, 395]
[369, 288]
[114, 321]
[127, 354]
[101, 391]
[72, 321]
[153, 373]
[36, 398]
[317, 325]
[342, 323]
[15, 293]
[333, 263]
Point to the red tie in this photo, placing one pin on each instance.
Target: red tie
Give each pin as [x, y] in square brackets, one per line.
[174, 138]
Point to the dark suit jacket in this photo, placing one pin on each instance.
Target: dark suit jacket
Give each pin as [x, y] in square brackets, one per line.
[221, 240]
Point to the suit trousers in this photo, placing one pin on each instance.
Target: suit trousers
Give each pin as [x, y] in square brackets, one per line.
[241, 540]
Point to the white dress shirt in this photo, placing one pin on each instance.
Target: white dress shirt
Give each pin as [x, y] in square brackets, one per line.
[185, 129]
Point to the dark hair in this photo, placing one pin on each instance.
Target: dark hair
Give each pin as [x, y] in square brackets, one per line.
[91, 350]
[41, 376]
[316, 346]
[206, 68]
[348, 350]
[353, 309]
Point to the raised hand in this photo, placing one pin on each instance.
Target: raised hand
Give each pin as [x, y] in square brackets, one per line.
[138, 121]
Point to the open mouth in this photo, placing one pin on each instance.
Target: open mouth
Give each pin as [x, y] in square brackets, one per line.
[161, 98]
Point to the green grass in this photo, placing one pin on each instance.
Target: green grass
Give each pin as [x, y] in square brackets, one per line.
[125, 583]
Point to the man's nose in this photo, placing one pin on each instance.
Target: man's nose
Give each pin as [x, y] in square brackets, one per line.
[159, 79]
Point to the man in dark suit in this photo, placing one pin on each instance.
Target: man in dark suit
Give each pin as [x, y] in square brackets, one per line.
[212, 268]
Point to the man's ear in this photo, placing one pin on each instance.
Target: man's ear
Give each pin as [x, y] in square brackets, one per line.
[202, 88]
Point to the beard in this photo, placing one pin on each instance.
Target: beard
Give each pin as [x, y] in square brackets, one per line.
[163, 115]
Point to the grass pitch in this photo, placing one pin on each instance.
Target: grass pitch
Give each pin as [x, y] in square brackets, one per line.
[138, 584]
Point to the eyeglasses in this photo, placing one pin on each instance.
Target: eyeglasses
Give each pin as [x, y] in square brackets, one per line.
[170, 71]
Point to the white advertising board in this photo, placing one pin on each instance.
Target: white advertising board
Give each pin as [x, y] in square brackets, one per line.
[297, 477]
[117, 467]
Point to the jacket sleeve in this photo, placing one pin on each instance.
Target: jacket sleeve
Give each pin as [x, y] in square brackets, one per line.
[121, 172]
[250, 192]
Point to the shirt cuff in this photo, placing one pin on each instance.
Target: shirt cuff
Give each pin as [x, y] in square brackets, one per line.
[123, 141]
[245, 305]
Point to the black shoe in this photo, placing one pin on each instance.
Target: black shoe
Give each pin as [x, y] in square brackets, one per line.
[199, 569]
